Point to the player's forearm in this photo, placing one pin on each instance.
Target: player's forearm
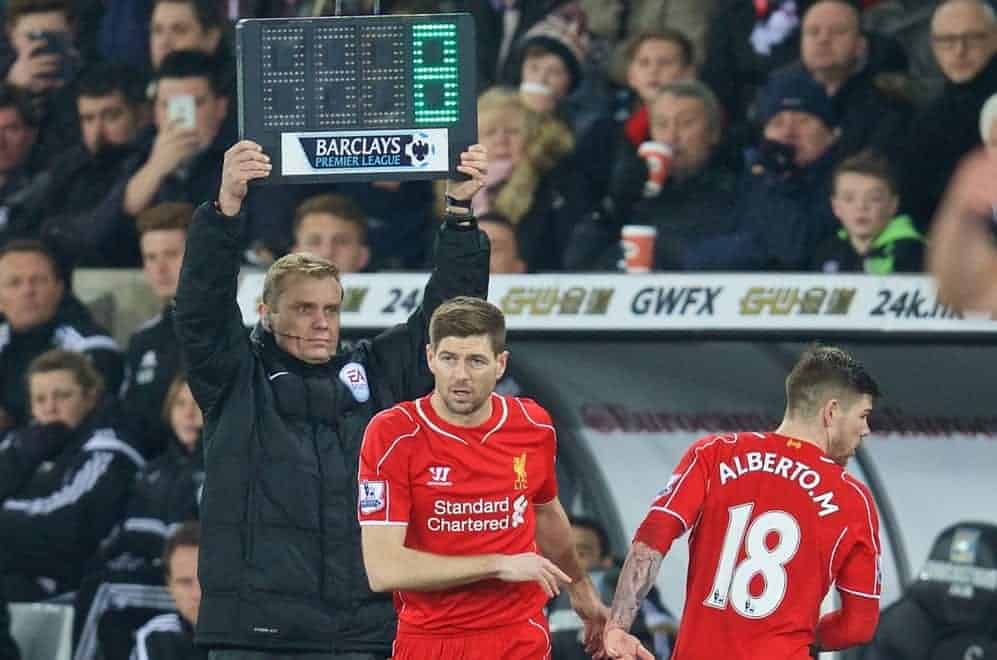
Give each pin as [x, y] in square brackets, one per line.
[855, 623]
[141, 189]
[639, 573]
[555, 542]
[413, 570]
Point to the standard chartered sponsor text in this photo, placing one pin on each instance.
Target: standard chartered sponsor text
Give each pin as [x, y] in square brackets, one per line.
[467, 517]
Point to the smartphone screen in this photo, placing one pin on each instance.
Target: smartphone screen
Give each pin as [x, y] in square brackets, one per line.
[182, 109]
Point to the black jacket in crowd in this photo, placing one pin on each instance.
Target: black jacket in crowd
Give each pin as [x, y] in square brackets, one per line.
[280, 562]
[685, 214]
[73, 329]
[167, 637]
[152, 361]
[164, 495]
[62, 490]
[945, 131]
[75, 205]
[868, 116]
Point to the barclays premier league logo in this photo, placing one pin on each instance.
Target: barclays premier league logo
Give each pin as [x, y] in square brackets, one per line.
[352, 152]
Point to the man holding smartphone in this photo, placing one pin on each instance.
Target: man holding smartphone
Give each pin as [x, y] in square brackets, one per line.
[184, 158]
[42, 35]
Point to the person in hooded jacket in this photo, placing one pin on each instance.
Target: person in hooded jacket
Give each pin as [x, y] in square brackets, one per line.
[126, 589]
[63, 480]
[37, 313]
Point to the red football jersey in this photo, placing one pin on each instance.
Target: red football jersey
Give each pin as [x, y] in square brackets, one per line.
[461, 491]
[774, 521]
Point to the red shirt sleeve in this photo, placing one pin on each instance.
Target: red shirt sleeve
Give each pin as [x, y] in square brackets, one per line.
[675, 509]
[384, 495]
[860, 573]
[540, 418]
[853, 624]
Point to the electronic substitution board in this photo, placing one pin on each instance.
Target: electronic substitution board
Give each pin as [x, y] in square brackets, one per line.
[358, 98]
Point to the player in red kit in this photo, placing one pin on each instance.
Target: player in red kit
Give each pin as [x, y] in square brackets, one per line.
[774, 520]
[459, 511]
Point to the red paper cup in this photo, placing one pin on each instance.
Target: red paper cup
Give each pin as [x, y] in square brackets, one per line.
[638, 247]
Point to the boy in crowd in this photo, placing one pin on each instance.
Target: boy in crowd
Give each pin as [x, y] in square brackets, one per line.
[873, 238]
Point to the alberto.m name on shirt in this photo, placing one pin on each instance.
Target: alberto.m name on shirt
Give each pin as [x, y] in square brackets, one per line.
[480, 515]
[799, 473]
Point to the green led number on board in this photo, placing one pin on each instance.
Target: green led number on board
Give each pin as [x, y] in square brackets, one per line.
[436, 81]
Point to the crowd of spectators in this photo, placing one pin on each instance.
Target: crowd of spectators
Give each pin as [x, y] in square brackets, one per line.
[795, 140]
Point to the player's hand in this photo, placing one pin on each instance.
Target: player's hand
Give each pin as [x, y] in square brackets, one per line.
[621, 644]
[173, 145]
[531, 567]
[244, 161]
[474, 163]
[595, 618]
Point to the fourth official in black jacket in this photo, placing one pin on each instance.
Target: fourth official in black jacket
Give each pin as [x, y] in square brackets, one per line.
[280, 563]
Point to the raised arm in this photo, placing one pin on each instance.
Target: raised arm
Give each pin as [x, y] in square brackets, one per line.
[393, 567]
[208, 320]
[460, 269]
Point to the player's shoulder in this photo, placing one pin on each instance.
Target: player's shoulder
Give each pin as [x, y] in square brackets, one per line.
[858, 490]
[715, 441]
[527, 410]
[399, 418]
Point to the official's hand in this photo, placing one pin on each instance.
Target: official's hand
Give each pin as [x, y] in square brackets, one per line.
[531, 567]
[621, 644]
[174, 144]
[474, 163]
[244, 162]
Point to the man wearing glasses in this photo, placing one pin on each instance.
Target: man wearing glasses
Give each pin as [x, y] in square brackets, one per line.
[963, 40]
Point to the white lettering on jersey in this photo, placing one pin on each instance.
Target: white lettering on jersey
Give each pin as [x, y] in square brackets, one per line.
[772, 463]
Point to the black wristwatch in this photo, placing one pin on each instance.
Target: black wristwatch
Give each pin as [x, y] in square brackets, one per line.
[453, 202]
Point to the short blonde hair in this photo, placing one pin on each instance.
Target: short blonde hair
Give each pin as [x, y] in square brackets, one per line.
[291, 265]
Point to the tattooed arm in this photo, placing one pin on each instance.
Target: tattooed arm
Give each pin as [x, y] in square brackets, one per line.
[639, 573]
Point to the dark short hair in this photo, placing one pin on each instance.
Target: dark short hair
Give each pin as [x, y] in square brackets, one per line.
[208, 12]
[33, 245]
[12, 97]
[165, 216]
[106, 78]
[855, 5]
[186, 535]
[823, 373]
[597, 528]
[465, 316]
[867, 163]
[672, 35]
[18, 9]
[193, 64]
[79, 364]
[340, 206]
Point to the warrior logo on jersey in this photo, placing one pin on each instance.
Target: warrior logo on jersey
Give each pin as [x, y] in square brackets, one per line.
[519, 467]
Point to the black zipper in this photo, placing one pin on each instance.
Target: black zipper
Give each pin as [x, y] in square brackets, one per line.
[321, 489]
